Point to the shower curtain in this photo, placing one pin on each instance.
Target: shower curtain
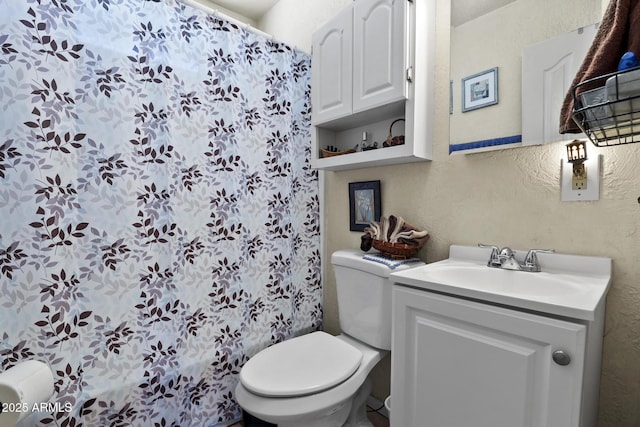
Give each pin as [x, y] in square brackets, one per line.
[158, 213]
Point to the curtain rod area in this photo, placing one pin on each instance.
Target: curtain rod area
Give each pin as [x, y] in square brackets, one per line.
[223, 15]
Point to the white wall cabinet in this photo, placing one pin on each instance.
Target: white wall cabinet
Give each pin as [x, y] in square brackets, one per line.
[365, 74]
[380, 57]
[457, 362]
[331, 82]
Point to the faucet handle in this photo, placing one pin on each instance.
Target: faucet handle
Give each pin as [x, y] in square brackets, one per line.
[494, 258]
[531, 260]
[494, 249]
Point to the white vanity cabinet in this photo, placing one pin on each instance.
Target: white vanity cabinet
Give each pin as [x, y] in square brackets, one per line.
[463, 363]
[486, 347]
[365, 74]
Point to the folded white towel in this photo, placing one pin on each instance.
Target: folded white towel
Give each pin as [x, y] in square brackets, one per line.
[389, 262]
[411, 234]
[384, 228]
[396, 230]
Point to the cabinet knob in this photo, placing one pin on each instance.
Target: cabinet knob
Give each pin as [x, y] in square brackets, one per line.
[561, 358]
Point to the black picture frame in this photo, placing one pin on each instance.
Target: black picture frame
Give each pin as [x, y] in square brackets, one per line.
[364, 204]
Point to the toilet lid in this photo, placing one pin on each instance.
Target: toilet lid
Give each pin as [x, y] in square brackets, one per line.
[304, 365]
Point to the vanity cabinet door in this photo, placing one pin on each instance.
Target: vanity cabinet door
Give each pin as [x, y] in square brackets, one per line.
[379, 39]
[462, 363]
[331, 69]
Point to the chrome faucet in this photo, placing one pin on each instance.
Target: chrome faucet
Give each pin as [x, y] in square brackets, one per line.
[505, 258]
[531, 260]
[494, 258]
[508, 260]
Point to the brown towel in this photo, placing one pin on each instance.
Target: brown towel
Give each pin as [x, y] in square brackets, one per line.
[619, 32]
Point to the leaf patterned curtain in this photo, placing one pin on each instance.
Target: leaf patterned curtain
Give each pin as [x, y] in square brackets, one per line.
[159, 216]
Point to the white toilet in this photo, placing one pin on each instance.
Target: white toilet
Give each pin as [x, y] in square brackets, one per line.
[319, 380]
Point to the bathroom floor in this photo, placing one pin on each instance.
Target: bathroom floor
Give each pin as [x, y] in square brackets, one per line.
[376, 419]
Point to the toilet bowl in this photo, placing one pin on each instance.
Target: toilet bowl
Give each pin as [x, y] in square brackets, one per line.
[343, 404]
[320, 380]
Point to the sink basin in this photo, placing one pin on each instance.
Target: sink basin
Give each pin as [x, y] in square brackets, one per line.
[568, 285]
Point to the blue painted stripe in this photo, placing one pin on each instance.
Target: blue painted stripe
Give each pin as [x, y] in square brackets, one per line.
[485, 143]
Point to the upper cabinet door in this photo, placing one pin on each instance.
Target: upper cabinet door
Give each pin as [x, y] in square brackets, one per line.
[380, 52]
[548, 68]
[331, 82]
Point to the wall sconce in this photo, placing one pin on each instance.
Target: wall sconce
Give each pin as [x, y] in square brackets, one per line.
[577, 155]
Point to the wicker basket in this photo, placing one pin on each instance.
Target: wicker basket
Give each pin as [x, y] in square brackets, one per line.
[397, 250]
[391, 140]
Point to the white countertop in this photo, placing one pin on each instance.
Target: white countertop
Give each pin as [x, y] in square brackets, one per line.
[571, 286]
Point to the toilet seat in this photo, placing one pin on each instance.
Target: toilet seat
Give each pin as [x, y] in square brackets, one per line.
[300, 366]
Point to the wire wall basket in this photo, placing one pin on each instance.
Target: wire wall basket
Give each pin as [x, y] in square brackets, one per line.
[607, 108]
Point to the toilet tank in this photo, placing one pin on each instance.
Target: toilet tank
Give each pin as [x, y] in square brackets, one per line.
[364, 296]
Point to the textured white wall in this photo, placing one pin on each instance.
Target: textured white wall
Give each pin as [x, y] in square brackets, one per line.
[507, 197]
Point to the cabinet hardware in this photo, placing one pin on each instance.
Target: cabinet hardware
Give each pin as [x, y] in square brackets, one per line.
[561, 358]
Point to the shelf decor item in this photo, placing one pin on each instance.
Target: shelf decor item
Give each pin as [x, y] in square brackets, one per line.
[394, 238]
[480, 90]
[364, 204]
[328, 153]
[398, 250]
[394, 140]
